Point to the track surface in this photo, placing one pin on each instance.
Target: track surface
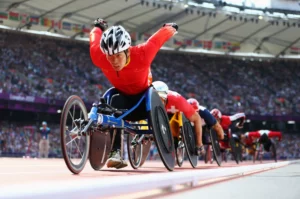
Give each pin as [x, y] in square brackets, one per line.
[16, 170]
[22, 171]
[281, 183]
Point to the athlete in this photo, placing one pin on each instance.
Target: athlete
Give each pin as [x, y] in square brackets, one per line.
[260, 137]
[174, 102]
[127, 68]
[207, 118]
[226, 121]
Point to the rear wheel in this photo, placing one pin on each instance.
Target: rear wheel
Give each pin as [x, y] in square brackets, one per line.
[216, 147]
[189, 140]
[234, 149]
[75, 147]
[159, 122]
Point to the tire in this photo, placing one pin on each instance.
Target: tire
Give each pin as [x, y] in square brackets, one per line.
[179, 151]
[234, 149]
[135, 152]
[159, 122]
[66, 122]
[207, 154]
[216, 147]
[189, 140]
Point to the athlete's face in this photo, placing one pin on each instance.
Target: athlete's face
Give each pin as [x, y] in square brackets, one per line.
[117, 61]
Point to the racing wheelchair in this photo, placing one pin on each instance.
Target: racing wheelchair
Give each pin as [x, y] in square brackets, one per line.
[84, 138]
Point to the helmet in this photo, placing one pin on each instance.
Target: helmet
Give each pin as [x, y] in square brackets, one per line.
[114, 40]
[44, 123]
[194, 103]
[161, 88]
[216, 113]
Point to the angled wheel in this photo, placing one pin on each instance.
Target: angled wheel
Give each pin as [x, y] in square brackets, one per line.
[189, 140]
[135, 150]
[273, 152]
[180, 150]
[207, 157]
[99, 149]
[234, 149]
[146, 148]
[75, 148]
[216, 147]
[159, 122]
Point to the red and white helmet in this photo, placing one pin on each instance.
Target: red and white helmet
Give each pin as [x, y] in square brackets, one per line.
[194, 103]
[216, 113]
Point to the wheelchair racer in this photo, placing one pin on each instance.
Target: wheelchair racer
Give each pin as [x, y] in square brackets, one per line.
[260, 137]
[207, 118]
[226, 121]
[174, 102]
[127, 68]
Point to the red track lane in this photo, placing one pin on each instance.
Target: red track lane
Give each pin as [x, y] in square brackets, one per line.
[18, 171]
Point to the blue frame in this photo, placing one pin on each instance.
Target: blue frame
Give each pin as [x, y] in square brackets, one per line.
[110, 120]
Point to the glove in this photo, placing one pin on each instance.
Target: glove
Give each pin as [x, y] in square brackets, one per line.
[100, 23]
[174, 25]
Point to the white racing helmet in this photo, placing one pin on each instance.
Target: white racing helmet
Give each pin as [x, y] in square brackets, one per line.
[114, 40]
[161, 88]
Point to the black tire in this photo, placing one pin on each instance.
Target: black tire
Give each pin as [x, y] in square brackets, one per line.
[135, 152]
[207, 154]
[189, 140]
[234, 149]
[70, 105]
[274, 152]
[159, 122]
[216, 147]
[179, 152]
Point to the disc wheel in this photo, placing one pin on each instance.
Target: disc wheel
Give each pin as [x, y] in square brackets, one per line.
[159, 122]
[234, 149]
[189, 140]
[75, 148]
[216, 147]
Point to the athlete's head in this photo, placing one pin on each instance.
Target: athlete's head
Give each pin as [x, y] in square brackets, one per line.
[162, 89]
[194, 103]
[216, 113]
[115, 43]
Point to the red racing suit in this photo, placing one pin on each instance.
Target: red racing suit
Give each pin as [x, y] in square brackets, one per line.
[134, 77]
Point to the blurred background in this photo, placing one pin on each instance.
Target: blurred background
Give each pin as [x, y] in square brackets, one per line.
[234, 55]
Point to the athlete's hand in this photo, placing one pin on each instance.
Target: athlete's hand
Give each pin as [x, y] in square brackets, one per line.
[100, 23]
[174, 25]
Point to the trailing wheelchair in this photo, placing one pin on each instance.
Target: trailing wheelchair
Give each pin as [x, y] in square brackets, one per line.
[84, 138]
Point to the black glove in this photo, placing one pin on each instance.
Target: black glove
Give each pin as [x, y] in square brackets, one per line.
[174, 25]
[100, 23]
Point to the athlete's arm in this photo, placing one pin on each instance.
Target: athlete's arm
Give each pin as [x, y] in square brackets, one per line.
[196, 119]
[95, 51]
[239, 116]
[219, 130]
[156, 41]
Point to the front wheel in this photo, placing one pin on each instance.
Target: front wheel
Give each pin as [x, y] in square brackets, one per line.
[75, 147]
[135, 150]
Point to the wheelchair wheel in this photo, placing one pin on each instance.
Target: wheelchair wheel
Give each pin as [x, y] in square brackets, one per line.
[189, 139]
[234, 149]
[207, 157]
[159, 122]
[273, 152]
[216, 147]
[135, 150]
[75, 148]
[180, 150]
[146, 149]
